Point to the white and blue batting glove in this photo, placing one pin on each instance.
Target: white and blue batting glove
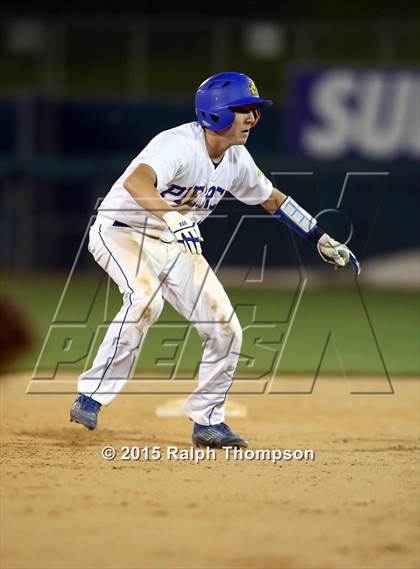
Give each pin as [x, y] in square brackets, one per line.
[185, 231]
[302, 222]
[336, 253]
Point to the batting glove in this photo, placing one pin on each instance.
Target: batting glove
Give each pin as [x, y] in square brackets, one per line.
[186, 232]
[336, 253]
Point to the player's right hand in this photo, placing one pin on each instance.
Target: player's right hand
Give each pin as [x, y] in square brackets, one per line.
[186, 232]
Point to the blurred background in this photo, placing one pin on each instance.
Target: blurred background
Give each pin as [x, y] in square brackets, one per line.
[81, 93]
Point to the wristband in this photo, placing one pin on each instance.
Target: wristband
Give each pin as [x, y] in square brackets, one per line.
[298, 219]
[315, 234]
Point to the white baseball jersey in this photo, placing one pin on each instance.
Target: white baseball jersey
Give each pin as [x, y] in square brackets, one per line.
[186, 174]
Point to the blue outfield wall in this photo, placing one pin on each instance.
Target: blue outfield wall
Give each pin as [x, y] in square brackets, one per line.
[62, 155]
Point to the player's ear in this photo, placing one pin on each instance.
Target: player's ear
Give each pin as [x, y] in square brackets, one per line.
[257, 116]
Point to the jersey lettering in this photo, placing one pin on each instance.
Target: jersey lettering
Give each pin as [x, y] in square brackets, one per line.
[208, 201]
[209, 196]
[174, 190]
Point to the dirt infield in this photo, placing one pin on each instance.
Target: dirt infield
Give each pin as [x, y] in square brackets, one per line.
[355, 506]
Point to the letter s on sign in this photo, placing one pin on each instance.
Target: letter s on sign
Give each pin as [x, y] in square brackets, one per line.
[329, 102]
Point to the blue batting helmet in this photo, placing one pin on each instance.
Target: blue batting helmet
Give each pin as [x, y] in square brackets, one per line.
[217, 94]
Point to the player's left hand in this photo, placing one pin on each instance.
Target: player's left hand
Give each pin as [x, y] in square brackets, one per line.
[186, 232]
[336, 253]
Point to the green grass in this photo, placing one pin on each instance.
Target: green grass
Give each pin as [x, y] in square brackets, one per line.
[333, 330]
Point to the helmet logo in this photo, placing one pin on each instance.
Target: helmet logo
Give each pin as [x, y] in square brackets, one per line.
[252, 88]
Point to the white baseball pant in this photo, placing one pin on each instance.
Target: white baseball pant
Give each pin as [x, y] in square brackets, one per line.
[147, 272]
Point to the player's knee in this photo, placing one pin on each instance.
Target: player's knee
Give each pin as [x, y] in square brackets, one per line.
[146, 311]
[232, 332]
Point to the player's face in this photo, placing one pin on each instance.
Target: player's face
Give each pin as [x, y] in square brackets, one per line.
[245, 118]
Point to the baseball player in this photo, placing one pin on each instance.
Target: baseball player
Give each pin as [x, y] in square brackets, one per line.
[146, 237]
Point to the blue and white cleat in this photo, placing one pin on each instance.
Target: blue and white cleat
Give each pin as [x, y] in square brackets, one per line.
[85, 411]
[216, 436]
